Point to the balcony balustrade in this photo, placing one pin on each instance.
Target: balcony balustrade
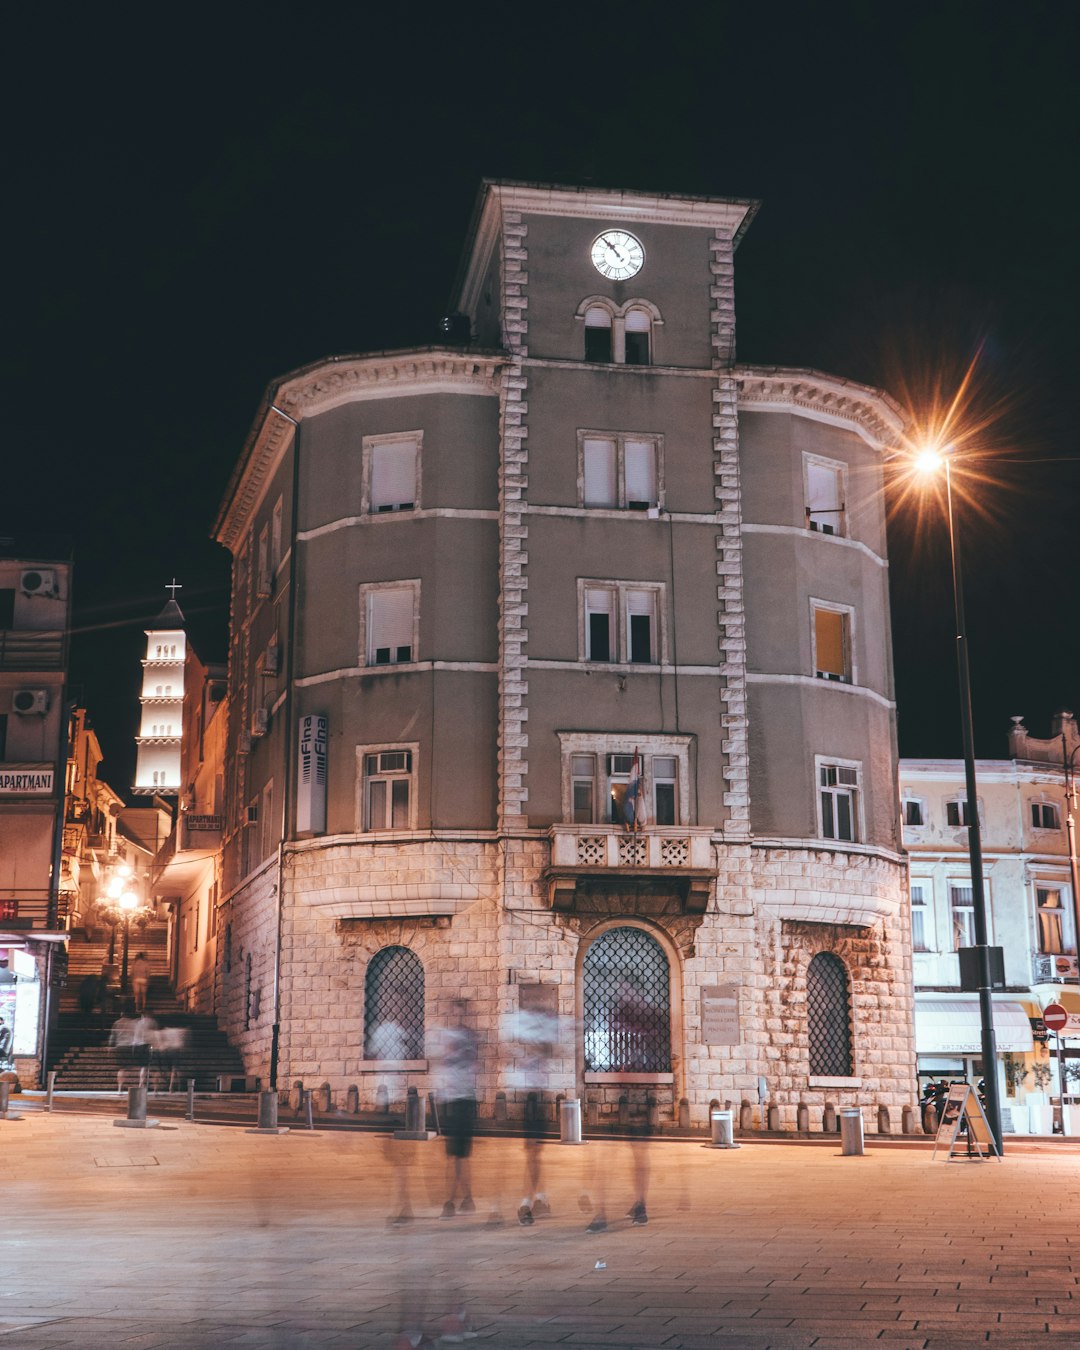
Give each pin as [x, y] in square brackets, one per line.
[677, 855]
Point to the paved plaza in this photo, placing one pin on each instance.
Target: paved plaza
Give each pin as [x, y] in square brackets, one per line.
[195, 1235]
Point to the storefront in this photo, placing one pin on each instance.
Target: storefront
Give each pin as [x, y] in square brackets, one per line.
[25, 965]
[948, 1038]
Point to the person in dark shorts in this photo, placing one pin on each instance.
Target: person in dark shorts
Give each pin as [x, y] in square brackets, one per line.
[457, 1056]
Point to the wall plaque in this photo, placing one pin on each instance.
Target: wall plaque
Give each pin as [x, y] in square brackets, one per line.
[720, 1015]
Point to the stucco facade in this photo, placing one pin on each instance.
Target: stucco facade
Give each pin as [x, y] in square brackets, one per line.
[585, 561]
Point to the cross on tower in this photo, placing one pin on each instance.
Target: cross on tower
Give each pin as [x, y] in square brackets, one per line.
[173, 586]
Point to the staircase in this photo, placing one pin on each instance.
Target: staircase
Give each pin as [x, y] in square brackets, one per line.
[79, 1048]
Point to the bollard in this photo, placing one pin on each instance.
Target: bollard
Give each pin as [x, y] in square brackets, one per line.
[500, 1107]
[559, 1099]
[5, 1098]
[50, 1089]
[592, 1109]
[268, 1115]
[570, 1121]
[714, 1105]
[382, 1099]
[414, 1112]
[652, 1113]
[907, 1121]
[773, 1119]
[298, 1091]
[828, 1119]
[136, 1111]
[326, 1100]
[684, 1114]
[723, 1129]
[851, 1132]
[746, 1116]
[930, 1121]
[352, 1099]
[624, 1108]
[308, 1109]
[802, 1118]
[190, 1099]
[883, 1123]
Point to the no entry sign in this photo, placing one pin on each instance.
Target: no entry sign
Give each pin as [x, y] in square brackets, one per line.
[1055, 1017]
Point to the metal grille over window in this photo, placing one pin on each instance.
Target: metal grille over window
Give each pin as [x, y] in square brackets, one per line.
[828, 1009]
[627, 997]
[394, 1005]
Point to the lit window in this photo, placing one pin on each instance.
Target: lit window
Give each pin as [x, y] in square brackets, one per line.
[1055, 936]
[1044, 816]
[962, 908]
[912, 811]
[599, 783]
[620, 470]
[832, 644]
[391, 467]
[838, 796]
[918, 917]
[824, 480]
[387, 790]
[390, 616]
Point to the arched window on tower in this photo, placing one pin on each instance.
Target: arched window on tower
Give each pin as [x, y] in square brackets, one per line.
[598, 339]
[394, 1005]
[828, 1010]
[627, 1004]
[638, 337]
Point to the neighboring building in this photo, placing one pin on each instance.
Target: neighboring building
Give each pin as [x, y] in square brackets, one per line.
[585, 565]
[1029, 879]
[186, 869]
[90, 837]
[35, 621]
[157, 767]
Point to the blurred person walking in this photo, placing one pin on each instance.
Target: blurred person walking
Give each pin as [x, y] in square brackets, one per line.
[122, 1041]
[140, 981]
[457, 1051]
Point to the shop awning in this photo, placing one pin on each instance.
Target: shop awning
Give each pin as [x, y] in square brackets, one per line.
[951, 1026]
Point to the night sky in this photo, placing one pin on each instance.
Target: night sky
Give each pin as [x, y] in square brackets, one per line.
[199, 200]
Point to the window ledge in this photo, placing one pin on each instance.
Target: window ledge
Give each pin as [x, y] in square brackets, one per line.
[393, 1066]
[824, 1081]
[614, 1078]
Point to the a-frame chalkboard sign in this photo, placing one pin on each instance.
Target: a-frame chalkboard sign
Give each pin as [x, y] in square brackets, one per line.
[962, 1107]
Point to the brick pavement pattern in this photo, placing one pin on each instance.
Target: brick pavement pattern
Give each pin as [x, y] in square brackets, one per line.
[205, 1236]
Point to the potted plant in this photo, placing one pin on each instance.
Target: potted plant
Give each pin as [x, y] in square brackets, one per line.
[1040, 1112]
[1016, 1075]
[1070, 1115]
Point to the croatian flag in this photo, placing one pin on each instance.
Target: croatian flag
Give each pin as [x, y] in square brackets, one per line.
[634, 813]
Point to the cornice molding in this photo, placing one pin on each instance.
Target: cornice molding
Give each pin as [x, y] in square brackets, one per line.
[874, 415]
[329, 384]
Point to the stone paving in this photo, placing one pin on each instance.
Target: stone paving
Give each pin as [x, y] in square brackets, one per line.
[206, 1236]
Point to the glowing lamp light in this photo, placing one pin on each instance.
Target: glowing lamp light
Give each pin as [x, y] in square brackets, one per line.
[128, 901]
[929, 462]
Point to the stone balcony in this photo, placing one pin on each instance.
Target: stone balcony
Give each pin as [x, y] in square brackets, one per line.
[679, 856]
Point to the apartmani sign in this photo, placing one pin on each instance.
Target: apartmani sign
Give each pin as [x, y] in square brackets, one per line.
[311, 775]
[26, 780]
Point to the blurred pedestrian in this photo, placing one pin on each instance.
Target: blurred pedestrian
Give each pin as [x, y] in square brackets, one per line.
[457, 1051]
[143, 1035]
[140, 981]
[122, 1040]
[168, 1044]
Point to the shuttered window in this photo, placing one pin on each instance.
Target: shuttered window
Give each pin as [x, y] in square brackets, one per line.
[831, 645]
[393, 475]
[600, 472]
[390, 624]
[640, 474]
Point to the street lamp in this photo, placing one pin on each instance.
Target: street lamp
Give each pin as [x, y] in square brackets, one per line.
[121, 903]
[931, 462]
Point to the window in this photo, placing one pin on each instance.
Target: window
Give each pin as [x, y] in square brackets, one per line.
[962, 909]
[275, 537]
[824, 481]
[828, 1013]
[262, 581]
[621, 334]
[638, 332]
[598, 334]
[913, 811]
[1055, 934]
[391, 472]
[3, 736]
[626, 996]
[600, 780]
[838, 796]
[621, 622]
[619, 471]
[832, 642]
[1044, 816]
[918, 917]
[7, 607]
[956, 813]
[390, 614]
[387, 790]
[394, 1005]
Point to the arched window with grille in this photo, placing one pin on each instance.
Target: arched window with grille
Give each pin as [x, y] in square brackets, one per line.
[828, 1009]
[394, 1005]
[627, 1004]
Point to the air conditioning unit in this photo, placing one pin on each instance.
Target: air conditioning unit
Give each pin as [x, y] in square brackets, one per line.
[38, 581]
[30, 702]
[260, 722]
[1054, 969]
[269, 662]
[244, 744]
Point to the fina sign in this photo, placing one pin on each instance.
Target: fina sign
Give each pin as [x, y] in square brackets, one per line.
[311, 775]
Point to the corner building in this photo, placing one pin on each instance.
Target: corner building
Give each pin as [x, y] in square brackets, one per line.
[491, 599]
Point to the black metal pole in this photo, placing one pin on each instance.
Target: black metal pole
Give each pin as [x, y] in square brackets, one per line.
[978, 894]
[1070, 831]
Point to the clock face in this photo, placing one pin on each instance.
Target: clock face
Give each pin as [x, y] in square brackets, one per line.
[617, 255]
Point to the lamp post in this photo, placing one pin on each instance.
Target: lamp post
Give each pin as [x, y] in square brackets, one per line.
[121, 903]
[929, 462]
[1070, 831]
